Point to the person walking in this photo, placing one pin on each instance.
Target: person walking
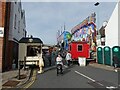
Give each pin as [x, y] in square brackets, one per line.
[115, 62]
[68, 58]
[41, 64]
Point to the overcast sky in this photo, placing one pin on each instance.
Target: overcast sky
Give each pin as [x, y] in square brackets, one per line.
[44, 19]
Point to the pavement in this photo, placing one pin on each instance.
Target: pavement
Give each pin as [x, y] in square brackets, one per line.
[102, 66]
[10, 78]
[12, 75]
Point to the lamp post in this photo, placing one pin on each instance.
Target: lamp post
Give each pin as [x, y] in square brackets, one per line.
[18, 70]
[98, 35]
[97, 4]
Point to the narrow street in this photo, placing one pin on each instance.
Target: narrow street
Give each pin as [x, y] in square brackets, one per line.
[77, 77]
[79, 39]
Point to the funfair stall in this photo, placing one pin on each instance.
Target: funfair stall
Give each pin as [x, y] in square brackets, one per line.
[83, 41]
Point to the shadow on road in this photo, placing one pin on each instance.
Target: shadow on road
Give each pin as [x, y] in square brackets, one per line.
[66, 71]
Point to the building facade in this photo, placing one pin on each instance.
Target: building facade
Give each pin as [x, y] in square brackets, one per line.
[2, 21]
[110, 35]
[14, 29]
[111, 30]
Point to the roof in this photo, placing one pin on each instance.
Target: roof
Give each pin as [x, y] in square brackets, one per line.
[79, 42]
[30, 40]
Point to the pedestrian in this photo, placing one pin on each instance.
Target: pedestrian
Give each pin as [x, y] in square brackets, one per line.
[41, 64]
[115, 62]
[68, 58]
[49, 58]
[53, 57]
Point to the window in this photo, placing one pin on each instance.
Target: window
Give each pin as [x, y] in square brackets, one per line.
[19, 27]
[15, 21]
[19, 7]
[79, 48]
[33, 50]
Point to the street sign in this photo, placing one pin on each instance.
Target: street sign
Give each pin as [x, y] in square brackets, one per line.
[1, 31]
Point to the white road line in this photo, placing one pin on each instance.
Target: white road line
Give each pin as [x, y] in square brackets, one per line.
[100, 84]
[85, 76]
[110, 87]
[88, 78]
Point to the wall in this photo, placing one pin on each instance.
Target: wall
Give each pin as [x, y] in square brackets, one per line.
[1, 49]
[119, 24]
[2, 13]
[17, 31]
[2, 21]
[111, 30]
[18, 15]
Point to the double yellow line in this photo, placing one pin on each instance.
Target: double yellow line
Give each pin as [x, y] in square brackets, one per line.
[32, 80]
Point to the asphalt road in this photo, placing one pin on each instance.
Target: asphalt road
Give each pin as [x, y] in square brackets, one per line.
[77, 77]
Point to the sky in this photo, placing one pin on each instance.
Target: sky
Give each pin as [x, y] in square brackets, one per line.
[44, 19]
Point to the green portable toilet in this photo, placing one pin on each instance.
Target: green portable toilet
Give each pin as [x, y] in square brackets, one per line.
[116, 51]
[107, 55]
[100, 55]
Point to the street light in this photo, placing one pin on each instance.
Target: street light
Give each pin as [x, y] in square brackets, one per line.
[98, 35]
[97, 3]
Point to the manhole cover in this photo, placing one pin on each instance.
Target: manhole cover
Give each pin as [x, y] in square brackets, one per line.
[11, 83]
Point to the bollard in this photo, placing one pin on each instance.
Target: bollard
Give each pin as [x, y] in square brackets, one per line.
[24, 62]
[18, 70]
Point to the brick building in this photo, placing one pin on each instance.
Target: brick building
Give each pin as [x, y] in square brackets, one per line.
[2, 22]
[12, 29]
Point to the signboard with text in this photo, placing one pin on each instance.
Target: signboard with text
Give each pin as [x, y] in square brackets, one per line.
[1, 31]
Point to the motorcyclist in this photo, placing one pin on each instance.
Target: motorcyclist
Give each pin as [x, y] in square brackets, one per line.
[59, 64]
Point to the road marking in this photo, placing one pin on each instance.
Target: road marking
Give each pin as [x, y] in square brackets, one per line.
[85, 76]
[108, 87]
[100, 84]
[33, 80]
[111, 87]
[88, 78]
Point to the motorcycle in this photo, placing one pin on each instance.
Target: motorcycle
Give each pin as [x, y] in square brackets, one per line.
[59, 67]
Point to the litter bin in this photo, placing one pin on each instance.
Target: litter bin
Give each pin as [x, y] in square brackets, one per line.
[82, 61]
